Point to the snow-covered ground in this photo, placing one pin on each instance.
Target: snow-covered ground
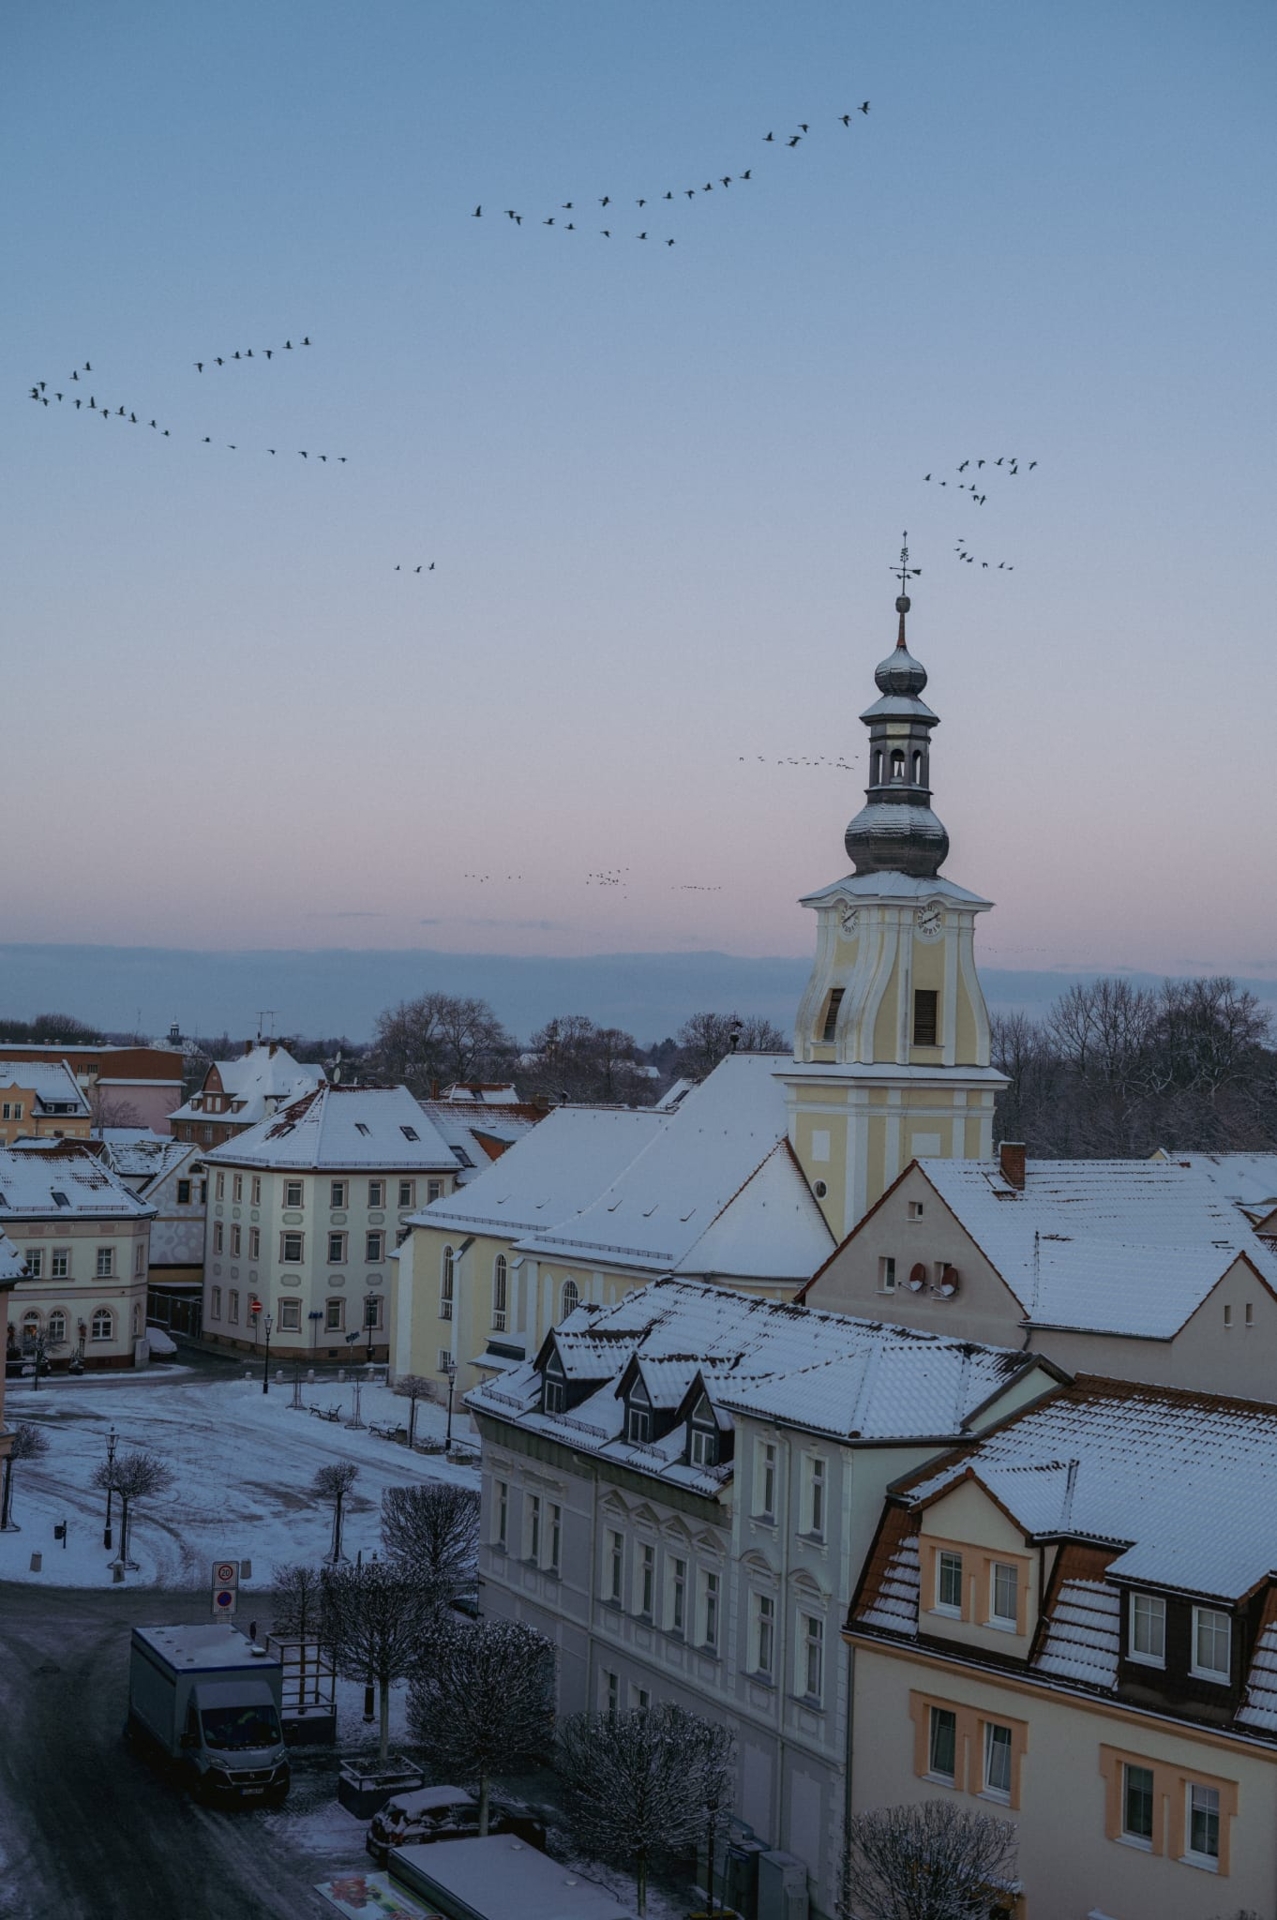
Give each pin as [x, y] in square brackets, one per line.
[243, 1464]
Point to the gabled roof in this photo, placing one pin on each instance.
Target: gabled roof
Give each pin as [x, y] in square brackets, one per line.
[1249, 1180]
[342, 1128]
[260, 1082]
[773, 1227]
[11, 1263]
[477, 1134]
[51, 1082]
[63, 1180]
[143, 1159]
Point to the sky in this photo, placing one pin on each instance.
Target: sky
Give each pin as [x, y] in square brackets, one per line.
[661, 487]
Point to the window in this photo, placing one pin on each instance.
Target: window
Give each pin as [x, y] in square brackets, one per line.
[886, 1273]
[1250, 1313]
[290, 1316]
[444, 1360]
[290, 1249]
[570, 1299]
[433, 1190]
[942, 1745]
[1137, 1804]
[215, 1304]
[638, 1424]
[374, 1246]
[219, 1237]
[1004, 1594]
[232, 1307]
[255, 1190]
[534, 1526]
[237, 1186]
[103, 1327]
[334, 1315]
[615, 1566]
[219, 1186]
[372, 1313]
[183, 1193]
[336, 1249]
[678, 1596]
[500, 1279]
[949, 1582]
[554, 1387]
[764, 1634]
[408, 1193]
[337, 1193]
[361, 1126]
[501, 1513]
[704, 1447]
[292, 1193]
[376, 1193]
[1202, 1844]
[925, 1017]
[812, 1655]
[447, 1284]
[829, 1026]
[647, 1580]
[1148, 1629]
[997, 1760]
[35, 1262]
[235, 1241]
[915, 1209]
[640, 1699]
[1212, 1645]
[57, 1327]
[409, 1133]
[612, 1691]
[816, 1498]
[709, 1638]
[254, 1243]
[105, 1262]
[556, 1538]
[60, 1263]
[767, 1480]
[1228, 1315]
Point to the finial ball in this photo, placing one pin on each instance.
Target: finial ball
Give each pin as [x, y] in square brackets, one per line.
[903, 603]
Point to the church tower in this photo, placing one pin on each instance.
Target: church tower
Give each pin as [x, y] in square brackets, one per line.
[891, 1045]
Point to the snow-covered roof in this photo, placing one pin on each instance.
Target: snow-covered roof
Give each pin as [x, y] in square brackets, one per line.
[854, 1380]
[477, 1134]
[895, 886]
[11, 1262]
[1108, 1246]
[51, 1082]
[556, 1169]
[706, 1167]
[141, 1158]
[1249, 1180]
[342, 1128]
[62, 1180]
[256, 1084]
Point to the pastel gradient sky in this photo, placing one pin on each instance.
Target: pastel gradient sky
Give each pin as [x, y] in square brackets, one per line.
[661, 486]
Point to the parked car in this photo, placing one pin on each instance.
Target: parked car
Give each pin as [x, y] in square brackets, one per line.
[442, 1813]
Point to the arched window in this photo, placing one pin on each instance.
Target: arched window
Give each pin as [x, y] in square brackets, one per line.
[917, 769]
[103, 1325]
[897, 763]
[875, 778]
[447, 1284]
[30, 1329]
[571, 1299]
[137, 1319]
[500, 1278]
[57, 1327]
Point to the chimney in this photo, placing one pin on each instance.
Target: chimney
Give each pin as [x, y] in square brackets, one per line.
[248, 1048]
[1011, 1162]
[274, 1048]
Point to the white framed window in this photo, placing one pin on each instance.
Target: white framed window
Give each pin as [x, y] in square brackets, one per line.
[765, 1481]
[105, 1263]
[812, 1656]
[215, 1304]
[219, 1187]
[254, 1243]
[35, 1263]
[533, 1528]
[500, 1291]
[814, 1495]
[1201, 1839]
[447, 1284]
[764, 1634]
[139, 1257]
[942, 1745]
[1147, 1623]
[710, 1595]
[337, 1194]
[997, 1760]
[408, 1193]
[615, 1574]
[235, 1241]
[57, 1327]
[554, 1387]
[1004, 1594]
[237, 1186]
[638, 1421]
[434, 1190]
[704, 1447]
[374, 1246]
[103, 1326]
[1212, 1645]
[886, 1273]
[376, 1193]
[232, 1306]
[444, 1360]
[334, 1315]
[647, 1580]
[500, 1513]
[555, 1561]
[60, 1264]
[290, 1316]
[336, 1249]
[569, 1299]
[255, 1190]
[916, 1209]
[219, 1237]
[291, 1248]
[678, 1596]
[1137, 1805]
[292, 1192]
[948, 1582]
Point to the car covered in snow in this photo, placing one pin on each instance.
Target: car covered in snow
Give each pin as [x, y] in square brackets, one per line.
[441, 1813]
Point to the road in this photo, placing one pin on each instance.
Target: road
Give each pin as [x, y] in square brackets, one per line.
[87, 1830]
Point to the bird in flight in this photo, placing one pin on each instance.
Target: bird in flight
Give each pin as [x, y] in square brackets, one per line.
[477, 214]
[794, 142]
[769, 136]
[199, 366]
[864, 106]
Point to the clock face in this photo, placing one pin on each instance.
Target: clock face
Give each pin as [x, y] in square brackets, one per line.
[930, 921]
[849, 920]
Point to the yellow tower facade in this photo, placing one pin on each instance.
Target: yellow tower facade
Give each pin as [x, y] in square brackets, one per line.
[891, 1042]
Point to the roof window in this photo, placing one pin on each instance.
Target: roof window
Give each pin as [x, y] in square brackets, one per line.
[410, 1133]
[361, 1127]
[59, 1198]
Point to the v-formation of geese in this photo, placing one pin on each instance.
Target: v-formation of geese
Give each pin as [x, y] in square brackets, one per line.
[720, 182]
[263, 353]
[799, 760]
[1009, 464]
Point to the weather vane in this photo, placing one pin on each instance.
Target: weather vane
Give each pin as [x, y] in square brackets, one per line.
[903, 569]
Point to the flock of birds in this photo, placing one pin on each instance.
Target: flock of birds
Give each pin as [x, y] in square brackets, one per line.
[799, 760]
[263, 353]
[610, 877]
[42, 394]
[425, 567]
[719, 183]
[1010, 466]
[482, 879]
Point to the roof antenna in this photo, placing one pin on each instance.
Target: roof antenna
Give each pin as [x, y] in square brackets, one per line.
[1037, 1272]
[906, 573]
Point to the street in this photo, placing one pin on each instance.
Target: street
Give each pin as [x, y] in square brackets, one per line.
[87, 1830]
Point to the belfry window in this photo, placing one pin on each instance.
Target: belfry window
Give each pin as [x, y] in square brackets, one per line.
[925, 1017]
[917, 769]
[876, 777]
[832, 1005]
[897, 763]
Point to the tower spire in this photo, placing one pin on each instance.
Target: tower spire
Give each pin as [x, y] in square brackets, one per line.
[905, 573]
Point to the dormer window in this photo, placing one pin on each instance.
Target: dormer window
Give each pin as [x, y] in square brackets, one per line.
[703, 1435]
[1147, 1629]
[1212, 1645]
[554, 1387]
[638, 1417]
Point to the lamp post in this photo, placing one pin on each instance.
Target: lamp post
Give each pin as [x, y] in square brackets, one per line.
[711, 1808]
[111, 1439]
[370, 1321]
[451, 1371]
[266, 1362]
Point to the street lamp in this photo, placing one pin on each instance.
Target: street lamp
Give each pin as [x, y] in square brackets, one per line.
[266, 1362]
[711, 1808]
[370, 1321]
[111, 1439]
[451, 1371]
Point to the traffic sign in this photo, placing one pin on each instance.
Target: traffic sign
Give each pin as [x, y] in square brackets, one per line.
[224, 1600]
[226, 1573]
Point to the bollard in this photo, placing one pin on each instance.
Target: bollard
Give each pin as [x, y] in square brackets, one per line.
[310, 1376]
[341, 1373]
[37, 1563]
[279, 1374]
[247, 1374]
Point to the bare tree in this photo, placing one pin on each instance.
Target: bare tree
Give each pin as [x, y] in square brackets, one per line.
[571, 1058]
[109, 1111]
[38, 1348]
[334, 1483]
[483, 1702]
[431, 1533]
[297, 1603]
[133, 1476]
[707, 1038]
[641, 1785]
[934, 1861]
[439, 1037]
[28, 1443]
[414, 1387]
[376, 1620]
